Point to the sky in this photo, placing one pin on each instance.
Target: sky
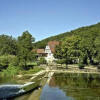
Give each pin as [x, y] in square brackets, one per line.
[45, 18]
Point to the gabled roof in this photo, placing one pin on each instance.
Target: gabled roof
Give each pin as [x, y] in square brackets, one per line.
[51, 45]
[40, 51]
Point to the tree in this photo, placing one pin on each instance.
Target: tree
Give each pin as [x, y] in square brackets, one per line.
[70, 48]
[7, 45]
[88, 47]
[97, 45]
[24, 48]
[58, 52]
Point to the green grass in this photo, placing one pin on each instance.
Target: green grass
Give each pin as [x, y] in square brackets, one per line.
[32, 71]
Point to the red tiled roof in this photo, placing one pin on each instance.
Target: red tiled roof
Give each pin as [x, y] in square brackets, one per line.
[40, 51]
[52, 45]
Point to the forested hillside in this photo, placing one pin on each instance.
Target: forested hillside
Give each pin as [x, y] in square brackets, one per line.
[43, 43]
[83, 30]
[82, 46]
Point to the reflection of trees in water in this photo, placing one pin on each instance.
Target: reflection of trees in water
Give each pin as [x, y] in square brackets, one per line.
[52, 82]
[79, 86]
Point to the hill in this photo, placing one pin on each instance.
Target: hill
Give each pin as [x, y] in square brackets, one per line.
[83, 30]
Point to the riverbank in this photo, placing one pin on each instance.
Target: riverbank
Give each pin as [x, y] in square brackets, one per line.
[36, 93]
[46, 75]
[73, 71]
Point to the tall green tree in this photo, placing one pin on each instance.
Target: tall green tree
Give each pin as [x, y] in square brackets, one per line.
[24, 48]
[70, 48]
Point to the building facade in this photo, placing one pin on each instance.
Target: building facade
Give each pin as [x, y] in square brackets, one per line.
[48, 52]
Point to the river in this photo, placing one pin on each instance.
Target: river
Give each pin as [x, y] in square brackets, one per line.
[72, 87]
[67, 87]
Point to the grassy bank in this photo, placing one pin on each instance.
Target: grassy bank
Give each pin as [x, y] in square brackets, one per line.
[32, 71]
[12, 71]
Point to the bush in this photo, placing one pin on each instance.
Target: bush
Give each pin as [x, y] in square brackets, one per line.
[14, 61]
[98, 66]
[42, 61]
[81, 66]
[61, 61]
[5, 60]
[11, 71]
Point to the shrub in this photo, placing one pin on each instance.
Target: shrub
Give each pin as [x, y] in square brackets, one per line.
[14, 61]
[61, 61]
[5, 60]
[11, 71]
[35, 64]
[42, 61]
[81, 66]
[98, 66]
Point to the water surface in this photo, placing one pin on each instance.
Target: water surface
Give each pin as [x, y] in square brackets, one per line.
[72, 87]
[65, 87]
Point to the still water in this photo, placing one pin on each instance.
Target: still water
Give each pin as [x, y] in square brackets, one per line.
[65, 87]
[72, 87]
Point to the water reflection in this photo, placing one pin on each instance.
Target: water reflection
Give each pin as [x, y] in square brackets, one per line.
[53, 93]
[72, 87]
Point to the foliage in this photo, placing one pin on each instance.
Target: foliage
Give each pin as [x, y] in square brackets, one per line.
[58, 52]
[7, 45]
[5, 60]
[14, 61]
[24, 48]
[78, 46]
[16, 52]
[32, 63]
[61, 61]
[83, 44]
[11, 71]
[42, 61]
[81, 66]
[43, 43]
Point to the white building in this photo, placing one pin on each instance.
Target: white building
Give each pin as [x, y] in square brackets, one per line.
[49, 53]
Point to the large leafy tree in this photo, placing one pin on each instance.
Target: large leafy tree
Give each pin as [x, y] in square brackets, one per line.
[58, 52]
[97, 45]
[7, 45]
[70, 48]
[24, 48]
[88, 50]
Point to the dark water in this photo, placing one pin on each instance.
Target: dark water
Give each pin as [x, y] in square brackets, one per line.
[72, 87]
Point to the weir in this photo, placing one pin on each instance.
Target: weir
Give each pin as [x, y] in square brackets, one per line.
[8, 91]
[14, 90]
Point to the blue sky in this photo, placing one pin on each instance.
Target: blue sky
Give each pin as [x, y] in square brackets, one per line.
[44, 18]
